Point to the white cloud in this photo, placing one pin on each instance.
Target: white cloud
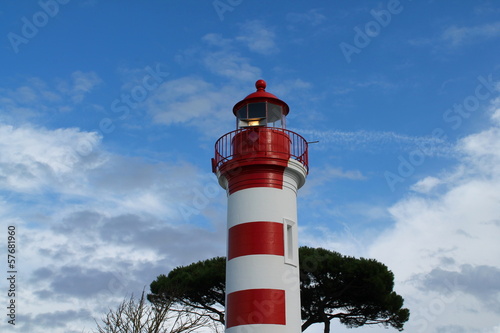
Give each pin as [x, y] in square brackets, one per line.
[426, 185]
[443, 242]
[482, 147]
[36, 98]
[495, 329]
[231, 65]
[224, 59]
[348, 174]
[223, 55]
[70, 165]
[377, 83]
[453, 233]
[181, 100]
[374, 141]
[83, 83]
[486, 9]
[87, 261]
[36, 158]
[312, 17]
[496, 111]
[214, 39]
[458, 36]
[455, 36]
[94, 226]
[480, 281]
[258, 38]
[194, 102]
[28, 101]
[291, 88]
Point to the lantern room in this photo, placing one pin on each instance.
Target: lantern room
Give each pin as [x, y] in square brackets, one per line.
[260, 138]
[260, 109]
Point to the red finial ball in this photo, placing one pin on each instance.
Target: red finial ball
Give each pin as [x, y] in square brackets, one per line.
[260, 85]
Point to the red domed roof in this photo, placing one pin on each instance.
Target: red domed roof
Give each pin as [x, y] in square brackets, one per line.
[261, 91]
[261, 95]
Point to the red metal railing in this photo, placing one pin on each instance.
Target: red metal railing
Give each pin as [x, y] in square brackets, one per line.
[274, 142]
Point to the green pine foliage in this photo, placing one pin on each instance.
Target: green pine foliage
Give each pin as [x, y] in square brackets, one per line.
[200, 285]
[356, 291]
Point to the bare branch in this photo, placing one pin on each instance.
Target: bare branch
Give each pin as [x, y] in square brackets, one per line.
[138, 316]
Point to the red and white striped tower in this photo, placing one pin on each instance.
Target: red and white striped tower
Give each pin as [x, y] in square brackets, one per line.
[262, 165]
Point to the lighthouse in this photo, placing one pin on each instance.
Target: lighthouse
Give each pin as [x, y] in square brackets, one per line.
[261, 165]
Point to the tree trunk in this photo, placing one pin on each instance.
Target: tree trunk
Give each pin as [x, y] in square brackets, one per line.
[326, 320]
[327, 326]
[307, 323]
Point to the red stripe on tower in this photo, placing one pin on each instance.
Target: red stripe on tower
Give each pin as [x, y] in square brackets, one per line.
[256, 306]
[256, 176]
[256, 238]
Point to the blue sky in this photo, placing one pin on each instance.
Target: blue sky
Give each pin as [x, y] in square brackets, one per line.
[109, 112]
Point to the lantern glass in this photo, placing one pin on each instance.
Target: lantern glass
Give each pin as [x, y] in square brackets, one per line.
[260, 114]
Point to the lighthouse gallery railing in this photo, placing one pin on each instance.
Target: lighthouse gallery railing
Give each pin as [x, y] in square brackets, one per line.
[294, 144]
